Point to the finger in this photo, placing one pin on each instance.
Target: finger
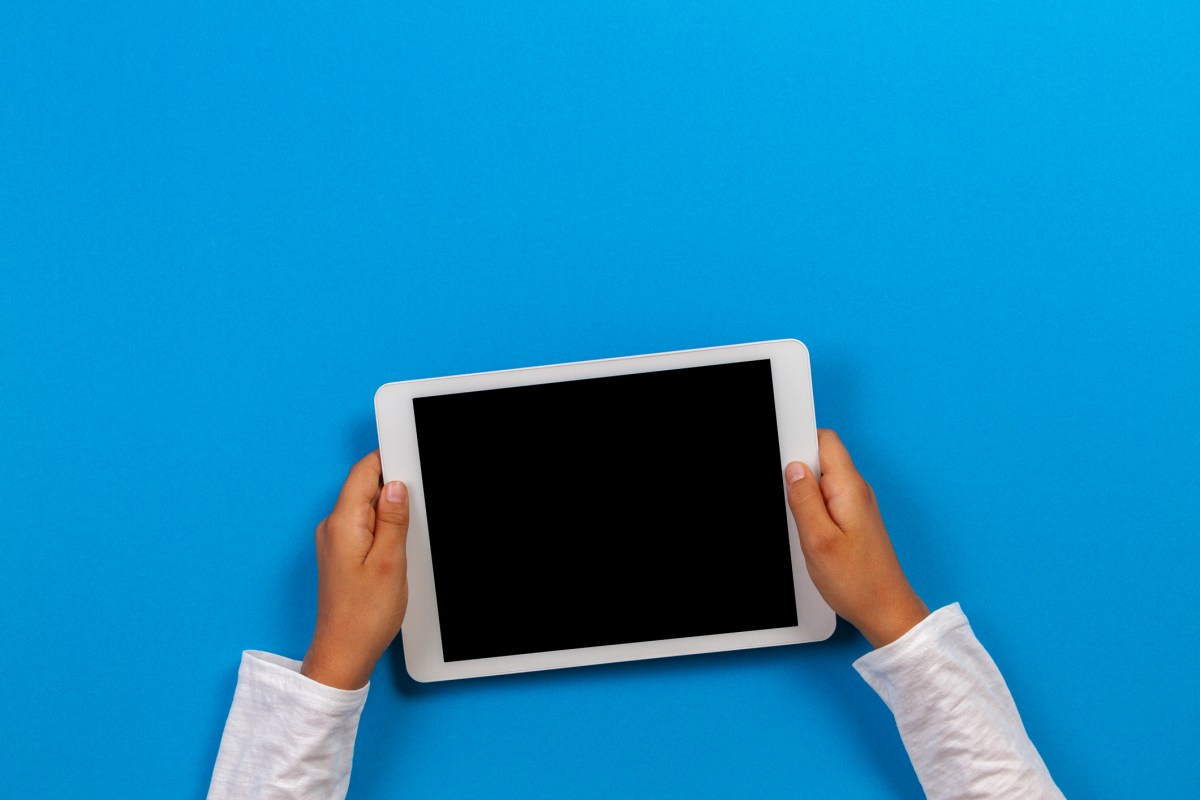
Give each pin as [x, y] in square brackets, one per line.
[808, 507]
[847, 494]
[835, 458]
[322, 536]
[391, 522]
[360, 488]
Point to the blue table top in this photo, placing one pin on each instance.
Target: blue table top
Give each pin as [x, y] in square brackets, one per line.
[221, 228]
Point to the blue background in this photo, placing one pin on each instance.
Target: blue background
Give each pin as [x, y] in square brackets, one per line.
[222, 227]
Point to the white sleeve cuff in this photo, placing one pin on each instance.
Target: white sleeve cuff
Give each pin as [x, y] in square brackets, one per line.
[910, 650]
[283, 675]
[287, 736]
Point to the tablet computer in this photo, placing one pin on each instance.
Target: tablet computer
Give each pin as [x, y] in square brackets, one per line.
[600, 511]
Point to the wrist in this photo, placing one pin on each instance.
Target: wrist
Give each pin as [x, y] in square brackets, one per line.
[340, 673]
[897, 619]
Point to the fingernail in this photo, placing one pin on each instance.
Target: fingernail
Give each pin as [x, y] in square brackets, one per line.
[795, 471]
[396, 492]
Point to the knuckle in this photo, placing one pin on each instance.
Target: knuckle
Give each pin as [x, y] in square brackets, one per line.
[802, 490]
[393, 515]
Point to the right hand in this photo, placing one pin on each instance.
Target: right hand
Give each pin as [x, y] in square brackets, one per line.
[847, 548]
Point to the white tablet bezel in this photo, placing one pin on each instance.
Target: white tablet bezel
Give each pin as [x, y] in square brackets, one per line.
[791, 377]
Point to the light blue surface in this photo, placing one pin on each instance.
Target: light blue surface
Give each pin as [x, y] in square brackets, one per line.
[222, 227]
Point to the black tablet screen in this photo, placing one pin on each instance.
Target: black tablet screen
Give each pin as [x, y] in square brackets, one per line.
[605, 511]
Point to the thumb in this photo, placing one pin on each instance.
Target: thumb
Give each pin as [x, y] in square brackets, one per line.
[391, 517]
[808, 505]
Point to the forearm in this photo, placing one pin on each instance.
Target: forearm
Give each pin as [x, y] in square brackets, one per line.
[286, 736]
[955, 714]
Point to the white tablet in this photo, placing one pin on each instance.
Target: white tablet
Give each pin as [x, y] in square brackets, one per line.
[600, 511]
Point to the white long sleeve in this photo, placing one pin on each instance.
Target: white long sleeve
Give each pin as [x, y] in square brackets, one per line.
[287, 736]
[290, 737]
[955, 714]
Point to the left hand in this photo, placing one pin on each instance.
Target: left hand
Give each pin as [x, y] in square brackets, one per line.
[362, 580]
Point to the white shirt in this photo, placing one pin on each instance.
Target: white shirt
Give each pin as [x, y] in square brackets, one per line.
[290, 737]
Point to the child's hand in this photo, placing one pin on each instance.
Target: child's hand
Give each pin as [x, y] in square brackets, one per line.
[362, 589]
[846, 545]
